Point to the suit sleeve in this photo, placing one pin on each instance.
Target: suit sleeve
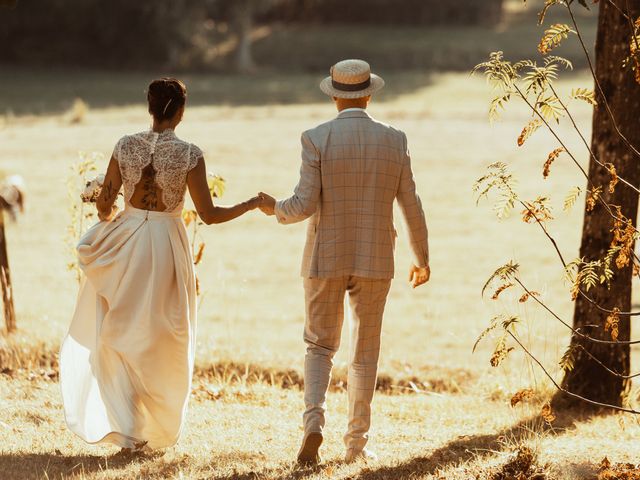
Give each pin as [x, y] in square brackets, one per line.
[411, 208]
[304, 201]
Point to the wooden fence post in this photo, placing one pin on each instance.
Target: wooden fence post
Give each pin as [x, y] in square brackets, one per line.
[5, 280]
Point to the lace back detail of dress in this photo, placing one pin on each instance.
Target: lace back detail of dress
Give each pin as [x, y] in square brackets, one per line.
[147, 194]
[154, 169]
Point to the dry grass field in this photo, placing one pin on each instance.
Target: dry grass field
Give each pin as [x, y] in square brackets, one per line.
[245, 418]
[442, 412]
[253, 258]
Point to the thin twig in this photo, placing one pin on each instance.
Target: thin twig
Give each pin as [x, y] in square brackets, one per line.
[599, 362]
[613, 4]
[564, 264]
[584, 140]
[597, 82]
[534, 109]
[568, 152]
[564, 390]
[593, 156]
[575, 161]
[576, 332]
[546, 232]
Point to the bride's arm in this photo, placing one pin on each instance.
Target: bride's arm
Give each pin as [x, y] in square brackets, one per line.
[110, 188]
[208, 212]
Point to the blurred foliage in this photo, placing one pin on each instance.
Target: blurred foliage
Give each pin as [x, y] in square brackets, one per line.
[97, 33]
[398, 12]
[193, 34]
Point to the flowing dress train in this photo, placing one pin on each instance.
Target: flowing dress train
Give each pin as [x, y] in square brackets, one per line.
[126, 363]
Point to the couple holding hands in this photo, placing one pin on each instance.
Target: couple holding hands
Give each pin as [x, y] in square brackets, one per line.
[126, 363]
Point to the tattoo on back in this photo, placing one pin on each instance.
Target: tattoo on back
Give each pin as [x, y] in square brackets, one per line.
[149, 188]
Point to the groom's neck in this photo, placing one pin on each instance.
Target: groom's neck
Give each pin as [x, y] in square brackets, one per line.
[344, 103]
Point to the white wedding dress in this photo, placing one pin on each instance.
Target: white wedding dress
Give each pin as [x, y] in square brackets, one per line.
[126, 364]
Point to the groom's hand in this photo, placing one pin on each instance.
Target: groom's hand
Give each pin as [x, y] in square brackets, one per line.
[419, 275]
[268, 203]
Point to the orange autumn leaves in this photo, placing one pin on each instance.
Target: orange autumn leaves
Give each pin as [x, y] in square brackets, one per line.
[553, 36]
[624, 235]
[612, 323]
[529, 129]
[536, 211]
[593, 194]
[528, 394]
[546, 170]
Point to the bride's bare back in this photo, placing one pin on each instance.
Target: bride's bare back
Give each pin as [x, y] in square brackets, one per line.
[148, 194]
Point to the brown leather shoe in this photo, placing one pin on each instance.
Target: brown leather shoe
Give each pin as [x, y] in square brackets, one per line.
[308, 454]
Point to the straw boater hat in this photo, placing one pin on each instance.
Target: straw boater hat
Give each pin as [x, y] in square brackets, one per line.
[351, 79]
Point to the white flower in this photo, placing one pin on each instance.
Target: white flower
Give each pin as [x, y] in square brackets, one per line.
[92, 189]
[12, 195]
[15, 181]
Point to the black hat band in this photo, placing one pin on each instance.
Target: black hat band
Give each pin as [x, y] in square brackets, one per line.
[351, 87]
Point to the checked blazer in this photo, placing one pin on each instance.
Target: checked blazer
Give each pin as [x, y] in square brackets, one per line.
[353, 168]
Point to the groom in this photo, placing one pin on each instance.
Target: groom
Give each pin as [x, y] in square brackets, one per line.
[353, 168]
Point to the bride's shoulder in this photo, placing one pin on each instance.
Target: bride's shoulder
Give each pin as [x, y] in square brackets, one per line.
[129, 138]
[195, 154]
[187, 145]
[130, 144]
[195, 149]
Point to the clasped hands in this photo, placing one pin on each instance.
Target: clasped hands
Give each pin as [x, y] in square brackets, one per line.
[265, 202]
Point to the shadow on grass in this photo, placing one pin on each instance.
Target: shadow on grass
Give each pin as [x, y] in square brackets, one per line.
[457, 451]
[36, 92]
[466, 448]
[24, 466]
[29, 465]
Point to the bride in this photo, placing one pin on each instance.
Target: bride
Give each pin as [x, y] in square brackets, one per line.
[127, 360]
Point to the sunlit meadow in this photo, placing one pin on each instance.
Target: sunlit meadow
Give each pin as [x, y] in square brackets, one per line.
[442, 412]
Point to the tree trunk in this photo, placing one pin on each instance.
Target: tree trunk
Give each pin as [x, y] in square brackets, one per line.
[587, 378]
[243, 22]
[497, 12]
[5, 280]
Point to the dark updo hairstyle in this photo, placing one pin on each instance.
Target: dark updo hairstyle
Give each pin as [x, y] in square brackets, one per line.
[166, 96]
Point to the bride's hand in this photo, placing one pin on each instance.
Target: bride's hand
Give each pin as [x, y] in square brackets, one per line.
[254, 203]
[108, 218]
[268, 203]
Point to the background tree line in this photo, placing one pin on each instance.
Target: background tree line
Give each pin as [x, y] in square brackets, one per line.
[181, 34]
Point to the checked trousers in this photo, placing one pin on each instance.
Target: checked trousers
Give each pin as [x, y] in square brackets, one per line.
[324, 301]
